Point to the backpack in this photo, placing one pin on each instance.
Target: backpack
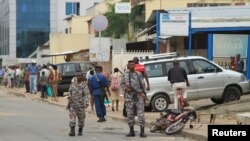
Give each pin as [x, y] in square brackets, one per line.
[114, 83]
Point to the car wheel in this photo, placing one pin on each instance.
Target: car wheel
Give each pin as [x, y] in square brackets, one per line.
[160, 102]
[217, 100]
[232, 94]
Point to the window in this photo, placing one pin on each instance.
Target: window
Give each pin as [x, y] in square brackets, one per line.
[84, 67]
[202, 66]
[183, 64]
[68, 68]
[72, 8]
[68, 8]
[154, 70]
[59, 68]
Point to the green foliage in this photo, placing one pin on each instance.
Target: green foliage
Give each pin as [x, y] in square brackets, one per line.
[119, 23]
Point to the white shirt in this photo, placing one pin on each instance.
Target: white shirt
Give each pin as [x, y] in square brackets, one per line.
[17, 72]
[46, 71]
[88, 75]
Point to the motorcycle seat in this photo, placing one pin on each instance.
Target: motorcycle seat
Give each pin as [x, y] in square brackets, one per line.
[173, 111]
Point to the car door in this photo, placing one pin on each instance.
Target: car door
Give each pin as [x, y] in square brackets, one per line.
[209, 78]
[157, 77]
[192, 91]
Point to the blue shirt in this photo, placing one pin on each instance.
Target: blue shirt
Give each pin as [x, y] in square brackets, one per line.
[95, 85]
[1, 72]
[33, 70]
[240, 66]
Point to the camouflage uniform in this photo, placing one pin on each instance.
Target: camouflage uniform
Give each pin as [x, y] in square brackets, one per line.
[134, 98]
[78, 101]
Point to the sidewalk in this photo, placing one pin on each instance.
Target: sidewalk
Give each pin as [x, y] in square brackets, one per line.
[199, 132]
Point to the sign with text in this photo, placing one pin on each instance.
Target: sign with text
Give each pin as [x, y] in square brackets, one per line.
[228, 132]
[123, 8]
[99, 49]
[227, 45]
[174, 24]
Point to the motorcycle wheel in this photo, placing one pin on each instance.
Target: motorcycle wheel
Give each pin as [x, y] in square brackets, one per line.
[153, 129]
[175, 128]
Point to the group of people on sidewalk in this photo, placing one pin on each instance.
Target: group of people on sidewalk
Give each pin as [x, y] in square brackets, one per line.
[34, 77]
[236, 64]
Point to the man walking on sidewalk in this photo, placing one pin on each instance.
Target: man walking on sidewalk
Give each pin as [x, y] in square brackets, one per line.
[133, 86]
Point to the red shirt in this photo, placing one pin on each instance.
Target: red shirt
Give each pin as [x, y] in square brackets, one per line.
[140, 68]
[105, 74]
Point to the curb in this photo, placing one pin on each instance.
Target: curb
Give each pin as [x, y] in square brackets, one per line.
[186, 134]
[193, 136]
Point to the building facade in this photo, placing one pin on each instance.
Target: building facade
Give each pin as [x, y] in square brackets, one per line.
[26, 24]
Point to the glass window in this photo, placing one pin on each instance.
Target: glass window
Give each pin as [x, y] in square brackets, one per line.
[33, 26]
[68, 8]
[84, 67]
[24, 7]
[169, 65]
[183, 64]
[68, 68]
[59, 68]
[74, 8]
[202, 66]
[154, 70]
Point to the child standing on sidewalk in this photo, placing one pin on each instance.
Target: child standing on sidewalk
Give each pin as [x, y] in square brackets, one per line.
[43, 82]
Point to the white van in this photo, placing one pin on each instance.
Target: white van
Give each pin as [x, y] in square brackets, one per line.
[207, 80]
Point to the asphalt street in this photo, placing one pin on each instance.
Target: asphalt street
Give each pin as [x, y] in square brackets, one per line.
[27, 120]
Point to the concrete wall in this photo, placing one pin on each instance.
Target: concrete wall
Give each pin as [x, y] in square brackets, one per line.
[79, 25]
[67, 42]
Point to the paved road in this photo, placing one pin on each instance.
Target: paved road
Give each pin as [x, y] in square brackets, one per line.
[23, 120]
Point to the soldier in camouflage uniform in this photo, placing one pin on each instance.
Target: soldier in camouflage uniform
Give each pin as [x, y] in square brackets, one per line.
[132, 85]
[78, 101]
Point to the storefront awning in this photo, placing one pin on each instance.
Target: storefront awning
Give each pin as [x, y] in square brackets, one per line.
[145, 31]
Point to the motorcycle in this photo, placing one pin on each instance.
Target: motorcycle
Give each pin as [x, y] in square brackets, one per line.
[173, 120]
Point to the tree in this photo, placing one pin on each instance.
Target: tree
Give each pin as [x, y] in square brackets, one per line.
[119, 23]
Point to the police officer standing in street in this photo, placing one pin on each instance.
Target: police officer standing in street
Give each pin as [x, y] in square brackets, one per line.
[97, 86]
[78, 101]
[134, 98]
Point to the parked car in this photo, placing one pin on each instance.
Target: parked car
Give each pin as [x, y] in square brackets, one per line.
[68, 71]
[207, 80]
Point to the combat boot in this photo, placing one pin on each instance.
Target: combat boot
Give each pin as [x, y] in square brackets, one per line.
[142, 134]
[72, 131]
[80, 131]
[131, 132]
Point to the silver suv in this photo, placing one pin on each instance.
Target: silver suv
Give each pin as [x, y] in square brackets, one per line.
[207, 80]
